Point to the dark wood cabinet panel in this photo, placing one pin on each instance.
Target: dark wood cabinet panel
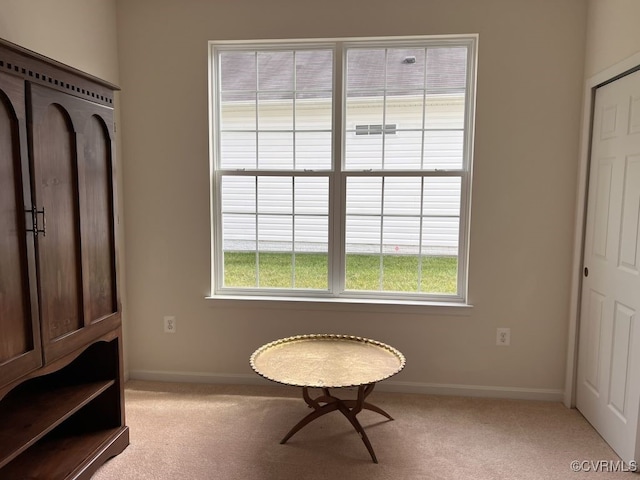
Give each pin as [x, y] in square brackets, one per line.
[98, 231]
[13, 304]
[55, 188]
[61, 375]
[20, 339]
[72, 181]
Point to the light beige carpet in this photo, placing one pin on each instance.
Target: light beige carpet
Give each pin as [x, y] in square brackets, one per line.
[193, 431]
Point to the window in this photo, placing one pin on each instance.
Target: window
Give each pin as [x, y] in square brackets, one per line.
[342, 168]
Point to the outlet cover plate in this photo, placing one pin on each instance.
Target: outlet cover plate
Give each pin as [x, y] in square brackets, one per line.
[503, 337]
[169, 324]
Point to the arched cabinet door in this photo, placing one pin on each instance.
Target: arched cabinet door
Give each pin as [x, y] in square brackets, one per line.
[72, 168]
[20, 349]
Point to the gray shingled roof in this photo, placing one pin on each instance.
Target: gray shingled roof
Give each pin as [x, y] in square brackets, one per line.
[271, 72]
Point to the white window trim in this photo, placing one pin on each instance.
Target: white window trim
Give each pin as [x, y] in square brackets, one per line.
[452, 303]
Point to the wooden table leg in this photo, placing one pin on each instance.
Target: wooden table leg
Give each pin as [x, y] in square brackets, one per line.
[349, 408]
[367, 389]
[356, 424]
[318, 412]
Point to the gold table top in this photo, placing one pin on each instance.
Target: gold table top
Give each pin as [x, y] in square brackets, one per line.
[326, 361]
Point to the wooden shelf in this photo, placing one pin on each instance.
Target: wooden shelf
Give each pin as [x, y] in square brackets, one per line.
[28, 416]
[56, 457]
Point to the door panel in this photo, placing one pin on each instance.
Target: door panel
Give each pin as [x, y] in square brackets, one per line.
[59, 249]
[593, 326]
[20, 350]
[602, 207]
[629, 244]
[14, 306]
[98, 231]
[608, 381]
[634, 115]
[72, 152]
[623, 320]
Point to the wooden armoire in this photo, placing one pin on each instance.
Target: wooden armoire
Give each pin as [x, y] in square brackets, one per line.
[61, 375]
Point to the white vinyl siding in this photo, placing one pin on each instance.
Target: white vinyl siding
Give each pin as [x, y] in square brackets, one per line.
[443, 147]
[441, 211]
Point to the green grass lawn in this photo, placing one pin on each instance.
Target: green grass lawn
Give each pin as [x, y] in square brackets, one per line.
[439, 274]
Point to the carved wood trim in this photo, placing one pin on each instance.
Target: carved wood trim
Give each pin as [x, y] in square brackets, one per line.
[39, 69]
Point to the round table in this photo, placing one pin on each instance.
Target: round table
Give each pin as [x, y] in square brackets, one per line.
[327, 361]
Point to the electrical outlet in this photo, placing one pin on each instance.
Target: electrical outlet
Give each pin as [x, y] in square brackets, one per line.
[503, 337]
[169, 324]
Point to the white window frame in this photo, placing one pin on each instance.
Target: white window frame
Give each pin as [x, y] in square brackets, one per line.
[338, 175]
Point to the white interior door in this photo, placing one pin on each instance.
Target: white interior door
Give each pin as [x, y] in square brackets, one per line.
[608, 382]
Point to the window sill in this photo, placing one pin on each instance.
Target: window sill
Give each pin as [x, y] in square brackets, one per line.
[343, 304]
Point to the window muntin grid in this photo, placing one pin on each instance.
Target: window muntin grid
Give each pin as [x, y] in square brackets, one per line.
[275, 109]
[434, 128]
[395, 86]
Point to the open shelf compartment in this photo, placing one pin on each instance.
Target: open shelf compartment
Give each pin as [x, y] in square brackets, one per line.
[49, 422]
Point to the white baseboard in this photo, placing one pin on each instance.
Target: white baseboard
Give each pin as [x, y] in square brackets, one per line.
[518, 393]
[553, 395]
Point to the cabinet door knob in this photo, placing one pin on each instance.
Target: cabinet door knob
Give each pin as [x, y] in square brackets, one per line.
[586, 272]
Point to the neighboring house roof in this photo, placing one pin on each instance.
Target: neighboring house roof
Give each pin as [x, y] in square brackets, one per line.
[272, 72]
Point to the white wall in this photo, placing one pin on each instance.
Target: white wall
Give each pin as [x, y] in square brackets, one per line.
[79, 33]
[613, 33]
[528, 107]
